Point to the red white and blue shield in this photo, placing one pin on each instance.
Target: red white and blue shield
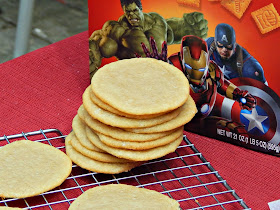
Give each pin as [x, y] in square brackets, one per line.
[258, 129]
[263, 122]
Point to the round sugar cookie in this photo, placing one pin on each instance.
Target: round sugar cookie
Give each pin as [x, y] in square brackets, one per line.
[94, 165]
[99, 156]
[78, 127]
[112, 119]
[143, 155]
[115, 132]
[141, 86]
[105, 106]
[117, 143]
[128, 197]
[30, 168]
[188, 112]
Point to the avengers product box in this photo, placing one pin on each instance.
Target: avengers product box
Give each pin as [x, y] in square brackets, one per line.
[228, 49]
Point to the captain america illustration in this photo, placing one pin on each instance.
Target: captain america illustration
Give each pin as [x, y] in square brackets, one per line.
[233, 59]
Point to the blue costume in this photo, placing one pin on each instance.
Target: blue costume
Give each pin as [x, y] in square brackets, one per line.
[241, 63]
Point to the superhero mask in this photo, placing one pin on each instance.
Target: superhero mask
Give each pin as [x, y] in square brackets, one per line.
[225, 40]
[195, 59]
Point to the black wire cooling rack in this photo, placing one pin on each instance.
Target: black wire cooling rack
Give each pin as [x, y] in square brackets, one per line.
[184, 175]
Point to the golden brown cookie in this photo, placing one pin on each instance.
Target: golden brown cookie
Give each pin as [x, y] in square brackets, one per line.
[94, 165]
[141, 86]
[188, 112]
[189, 3]
[30, 168]
[112, 119]
[78, 127]
[236, 7]
[115, 132]
[128, 197]
[143, 155]
[267, 18]
[117, 143]
[99, 156]
[105, 106]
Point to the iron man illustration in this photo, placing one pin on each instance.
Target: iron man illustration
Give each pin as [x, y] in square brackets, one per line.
[208, 86]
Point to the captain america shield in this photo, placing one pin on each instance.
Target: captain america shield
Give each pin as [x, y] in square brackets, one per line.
[263, 122]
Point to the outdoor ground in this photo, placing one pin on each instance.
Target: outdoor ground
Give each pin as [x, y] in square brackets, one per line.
[53, 20]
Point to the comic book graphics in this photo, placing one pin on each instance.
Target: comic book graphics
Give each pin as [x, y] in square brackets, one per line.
[234, 94]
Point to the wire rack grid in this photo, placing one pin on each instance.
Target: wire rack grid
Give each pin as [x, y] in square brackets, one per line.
[184, 175]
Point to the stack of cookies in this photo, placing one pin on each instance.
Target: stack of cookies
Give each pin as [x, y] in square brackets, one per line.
[133, 111]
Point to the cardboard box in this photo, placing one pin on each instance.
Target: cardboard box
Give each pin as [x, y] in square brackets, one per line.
[252, 77]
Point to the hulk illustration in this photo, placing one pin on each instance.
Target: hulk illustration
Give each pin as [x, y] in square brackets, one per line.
[123, 38]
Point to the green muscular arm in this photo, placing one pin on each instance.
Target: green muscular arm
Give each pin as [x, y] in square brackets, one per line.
[103, 44]
[95, 57]
[190, 24]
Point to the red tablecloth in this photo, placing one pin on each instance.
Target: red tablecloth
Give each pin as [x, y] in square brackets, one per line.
[43, 89]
